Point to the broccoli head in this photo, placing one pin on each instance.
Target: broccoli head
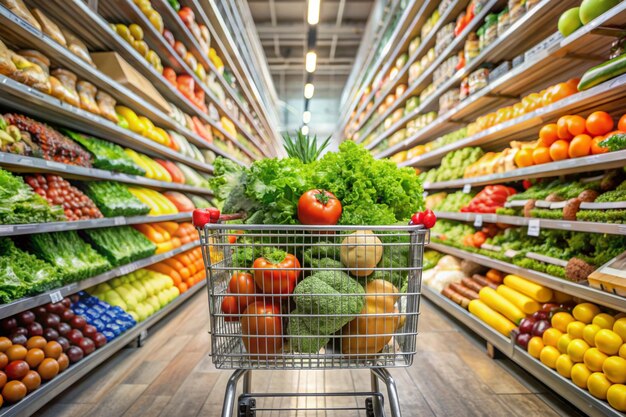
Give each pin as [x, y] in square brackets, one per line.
[303, 338]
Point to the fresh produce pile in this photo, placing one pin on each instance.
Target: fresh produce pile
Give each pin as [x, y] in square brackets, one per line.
[453, 165]
[37, 345]
[108, 320]
[158, 203]
[141, 293]
[489, 199]
[186, 269]
[168, 235]
[20, 204]
[114, 199]
[120, 245]
[57, 191]
[448, 202]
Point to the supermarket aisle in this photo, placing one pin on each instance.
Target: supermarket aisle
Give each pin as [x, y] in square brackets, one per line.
[172, 375]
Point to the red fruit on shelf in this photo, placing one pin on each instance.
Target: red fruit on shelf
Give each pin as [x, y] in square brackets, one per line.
[75, 354]
[87, 345]
[26, 317]
[526, 325]
[78, 322]
[50, 334]
[100, 340]
[523, 339]
[89, 331]
[16, 369]
[539, 327]
[75, 336]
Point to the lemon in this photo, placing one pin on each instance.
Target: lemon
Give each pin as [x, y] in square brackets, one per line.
[619, 327]
[549, 355]
[589, 334]
[580, 375]
[585, 312]
[598, 385]
[615, 369]
[564, 365]
[575, 329]
[616, 396]
[605, 321]
[560, 321]
[535, 346]
[576, 350]
[622, 351]
[551, 337]
[563, 343]
[608, 341]
[594, 359]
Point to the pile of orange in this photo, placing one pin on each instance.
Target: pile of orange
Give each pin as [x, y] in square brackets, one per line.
[571, 136]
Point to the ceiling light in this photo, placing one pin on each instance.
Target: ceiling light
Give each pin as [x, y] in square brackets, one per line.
[306, 117]
[311, 61]
[313, 16]
[305, 130]
[309, 89]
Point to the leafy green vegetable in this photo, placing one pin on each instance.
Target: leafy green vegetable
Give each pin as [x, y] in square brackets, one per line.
[615, 143]
[20, 204]
[113, 199]
[120, 245]
[107, 155]
[304, 147]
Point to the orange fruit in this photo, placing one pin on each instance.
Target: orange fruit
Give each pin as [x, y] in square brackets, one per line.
[546, 96]
[559, 150]
[562, 128]
[562, 90]
[574, 82]
[541, 155]
[621, 125]
[580, 146]
[599, 123]
[576, 125]
[524, 158]
[548, 134]
[595, 145]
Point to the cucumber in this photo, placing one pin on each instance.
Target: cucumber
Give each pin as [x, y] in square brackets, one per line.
[603, 72]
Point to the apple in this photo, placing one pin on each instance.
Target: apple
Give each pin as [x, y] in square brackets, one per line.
[67, 315]
[569, 21]
[590, 9]
[75, 336]
[8, 324]
[100, 340]
[52, 320]
[90, 331]
[65, 344]
[64, 329]
[21, 330]
[54, 307]
[66, 302]
[34, 329]
[26, 317]
[200, 217]
[548, 307]
[523, 339]
[40, 312]
[50, 334]
[526, 325]
[18, 339]
[74, 353]
[539, 327]
[87, 345]
[16, 369]
[78, 322]
[540, 315]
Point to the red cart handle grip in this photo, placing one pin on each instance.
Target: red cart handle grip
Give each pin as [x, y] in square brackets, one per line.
[201, 217]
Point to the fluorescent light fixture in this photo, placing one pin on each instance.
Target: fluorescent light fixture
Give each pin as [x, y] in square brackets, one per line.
[311, 61]
[309, 89]
[313, 16]
[305, 130]
[306, 117]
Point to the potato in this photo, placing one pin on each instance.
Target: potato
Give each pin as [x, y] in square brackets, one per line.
[361, 249]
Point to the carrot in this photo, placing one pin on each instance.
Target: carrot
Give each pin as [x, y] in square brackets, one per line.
[183, 287]
[170, 227]
[455, 296]
[483, 281]
[199, 264]
[161, 230]
[167, 270]
[150, 232]
[177, 265]
[184, 258]
[471, 284]
[464, 291]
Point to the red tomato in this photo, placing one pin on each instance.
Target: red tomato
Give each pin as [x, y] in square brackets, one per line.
[418, 218]
[429, 219]
[276, 278]
[230, 306]
[243, 286]
[318, 207]
[262, 329]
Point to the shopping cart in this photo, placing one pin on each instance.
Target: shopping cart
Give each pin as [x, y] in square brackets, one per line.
[347, 299]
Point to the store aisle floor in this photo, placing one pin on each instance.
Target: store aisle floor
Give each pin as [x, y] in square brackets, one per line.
[172, 375]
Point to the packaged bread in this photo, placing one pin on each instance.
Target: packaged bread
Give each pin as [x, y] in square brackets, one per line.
[30, 74]
[87, 94]
[106, 104]
[68, 80]
[49, 27]
[77, 47]
[7, 67]
[18, 8]
[37, 58]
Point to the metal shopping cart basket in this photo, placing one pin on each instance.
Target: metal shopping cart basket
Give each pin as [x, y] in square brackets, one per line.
[311, 297]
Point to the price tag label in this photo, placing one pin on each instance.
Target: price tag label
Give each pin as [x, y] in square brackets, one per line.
[467, 188]
[478, 221]
[510, 253]
[56, 296]
[534, 227]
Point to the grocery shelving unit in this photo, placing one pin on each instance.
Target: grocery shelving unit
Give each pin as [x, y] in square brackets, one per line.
[74, 373]
[564, 387]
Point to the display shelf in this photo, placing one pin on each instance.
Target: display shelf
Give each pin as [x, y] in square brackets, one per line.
[536, 22]
[590, 163]
[126, 11]
[181, 32]
[34, 228]
[28, 164]
[49, 390]
[419, 11]
[21, 98]
[574, 226]
[607, 96]
[22, 304]
[564, 58]
[564, 387]
[580, 290]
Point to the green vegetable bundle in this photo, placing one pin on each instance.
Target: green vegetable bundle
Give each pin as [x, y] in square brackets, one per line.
[120, 245]
[113, 199]
[23, 274]
[20, 204]
[107, 155]
[74, 258]
[453, 165]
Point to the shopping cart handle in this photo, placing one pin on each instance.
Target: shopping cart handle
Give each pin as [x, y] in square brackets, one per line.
[203, 216]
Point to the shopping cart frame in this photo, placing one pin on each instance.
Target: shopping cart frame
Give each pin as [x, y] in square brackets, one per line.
[214, 234]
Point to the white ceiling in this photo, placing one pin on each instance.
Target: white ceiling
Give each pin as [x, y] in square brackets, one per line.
[282, 29]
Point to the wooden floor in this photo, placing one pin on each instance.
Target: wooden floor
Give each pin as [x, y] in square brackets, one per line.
[172, 375]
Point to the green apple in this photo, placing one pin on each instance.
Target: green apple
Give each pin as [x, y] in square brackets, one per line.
[142, 290]
[127, 295]
[569, 22]
[134, 315]
[116, 282]
[590, 9]
[168, 282]
[163, 298]
[149, 287]
[154, 302]
[114, 299]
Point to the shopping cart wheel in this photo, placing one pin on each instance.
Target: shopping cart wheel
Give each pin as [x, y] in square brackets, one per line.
[369, 407]
[245, 407]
